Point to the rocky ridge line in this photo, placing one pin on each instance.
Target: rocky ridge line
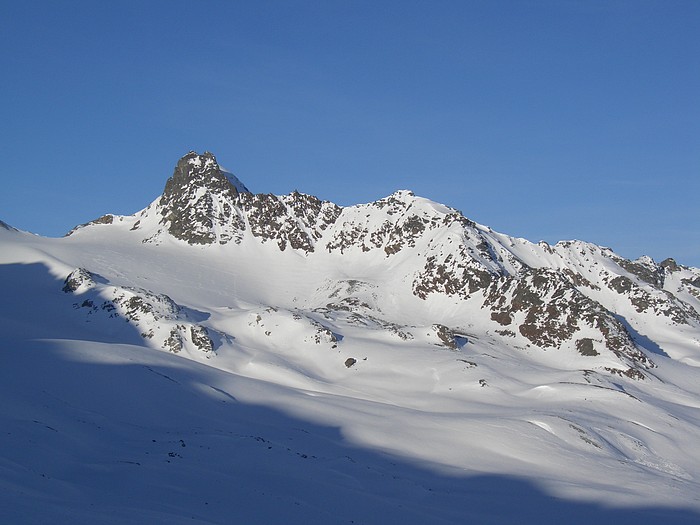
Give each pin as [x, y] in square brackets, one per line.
[559, 299]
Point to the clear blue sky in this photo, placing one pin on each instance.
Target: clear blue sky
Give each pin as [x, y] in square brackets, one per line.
[544, 119]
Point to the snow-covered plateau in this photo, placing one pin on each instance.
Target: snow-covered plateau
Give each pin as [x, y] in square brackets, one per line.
[229, 357]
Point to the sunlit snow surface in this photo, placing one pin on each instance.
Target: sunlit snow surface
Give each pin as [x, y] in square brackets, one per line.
[99, 426]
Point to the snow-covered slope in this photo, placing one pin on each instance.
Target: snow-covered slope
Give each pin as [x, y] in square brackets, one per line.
[385, 362]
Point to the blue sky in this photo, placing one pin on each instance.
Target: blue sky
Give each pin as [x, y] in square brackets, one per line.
[550, 120]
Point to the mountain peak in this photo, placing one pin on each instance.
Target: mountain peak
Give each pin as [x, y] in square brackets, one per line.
[206, 159]
[194, 193]
[403, 194]
[203, 170]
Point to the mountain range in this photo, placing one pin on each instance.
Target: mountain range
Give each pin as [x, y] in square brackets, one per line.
[304, 362]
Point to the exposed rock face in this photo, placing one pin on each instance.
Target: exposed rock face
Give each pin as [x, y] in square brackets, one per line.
[158, 319]
[549, 311]
[452, 276]
[645, 268]
[448, 337]
[198, 201]
[78, 280]
[390, 224]
[294, 220]
[203, 205]
[105, 219]
[656, 300]
[670, 265]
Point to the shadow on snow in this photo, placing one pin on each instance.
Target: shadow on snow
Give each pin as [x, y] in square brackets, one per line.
[102, 433]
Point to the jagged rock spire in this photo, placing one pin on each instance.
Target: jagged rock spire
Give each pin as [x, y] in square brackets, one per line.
[189, 202]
